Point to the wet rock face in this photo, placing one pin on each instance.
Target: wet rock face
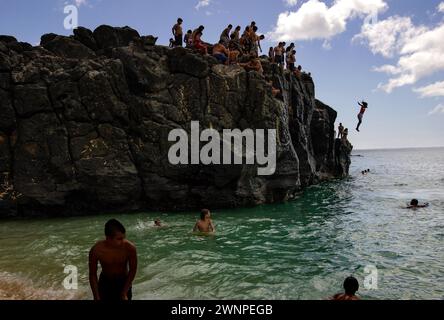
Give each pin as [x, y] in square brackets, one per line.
[84, 127]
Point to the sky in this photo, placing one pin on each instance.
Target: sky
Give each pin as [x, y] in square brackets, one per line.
[389, 53]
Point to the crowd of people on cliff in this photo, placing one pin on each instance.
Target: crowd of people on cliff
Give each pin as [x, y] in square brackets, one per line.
[235, 48]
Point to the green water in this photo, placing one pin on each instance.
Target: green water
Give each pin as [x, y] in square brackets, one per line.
[299, 250]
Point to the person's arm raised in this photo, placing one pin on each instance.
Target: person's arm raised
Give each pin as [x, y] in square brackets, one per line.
[93, 281]
[132, 261]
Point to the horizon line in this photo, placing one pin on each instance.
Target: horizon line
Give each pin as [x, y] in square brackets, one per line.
[398, 148]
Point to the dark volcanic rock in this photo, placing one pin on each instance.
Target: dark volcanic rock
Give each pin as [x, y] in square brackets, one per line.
[68, 48]
[7, 39]
[110, 37]
[84, 127]
[86, 37]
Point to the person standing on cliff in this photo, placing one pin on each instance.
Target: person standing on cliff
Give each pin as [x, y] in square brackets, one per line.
[279, 54]
[341, 131]
[364, 107]
[118, 259]
[178, 33]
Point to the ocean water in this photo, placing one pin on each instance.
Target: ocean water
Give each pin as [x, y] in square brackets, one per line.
[298, 250]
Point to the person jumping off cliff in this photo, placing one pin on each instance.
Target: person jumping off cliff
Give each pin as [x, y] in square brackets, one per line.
[364, 107]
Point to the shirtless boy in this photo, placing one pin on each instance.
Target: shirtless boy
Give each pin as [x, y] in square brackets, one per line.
[118, 259]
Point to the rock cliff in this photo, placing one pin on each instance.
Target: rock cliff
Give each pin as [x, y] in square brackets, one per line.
[84, 124]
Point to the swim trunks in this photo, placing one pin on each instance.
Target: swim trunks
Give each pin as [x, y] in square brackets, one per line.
[110, 289]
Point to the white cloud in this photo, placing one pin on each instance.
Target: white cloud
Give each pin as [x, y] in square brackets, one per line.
[419, 50]
[326, 45]
[202, 4]
[434, 90]
[441, 7]
[315, 20]
[80, 2]
[291, 3]
[439, 109]
[387, 37]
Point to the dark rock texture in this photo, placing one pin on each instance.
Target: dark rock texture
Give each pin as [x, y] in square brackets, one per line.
[85, 119]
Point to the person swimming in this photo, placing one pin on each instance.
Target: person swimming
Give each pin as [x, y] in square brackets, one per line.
[414, 204]
[351, 286]
[158, 223]
[205, 224]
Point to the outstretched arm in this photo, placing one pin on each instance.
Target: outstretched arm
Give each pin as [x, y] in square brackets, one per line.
[132, 261]
[93, 281]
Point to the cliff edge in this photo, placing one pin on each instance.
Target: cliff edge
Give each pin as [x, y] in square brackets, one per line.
[85, 119]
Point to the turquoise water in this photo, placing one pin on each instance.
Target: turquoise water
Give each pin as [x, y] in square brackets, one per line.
[299, 250]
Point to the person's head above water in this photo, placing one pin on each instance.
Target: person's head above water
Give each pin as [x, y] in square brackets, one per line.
[201, 28]
[204, 214]
[414, 203]
[179, 21]
[115, 231]
[351, 286]
[157, 223]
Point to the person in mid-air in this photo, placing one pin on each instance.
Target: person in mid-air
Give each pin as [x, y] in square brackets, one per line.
[364, 107]
[414, 204]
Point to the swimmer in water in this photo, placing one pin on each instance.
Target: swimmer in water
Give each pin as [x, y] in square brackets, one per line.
[351, 286]
[158, 223]
[414, 204]
[205, 225]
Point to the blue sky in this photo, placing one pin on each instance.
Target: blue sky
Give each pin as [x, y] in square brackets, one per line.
[335, 40]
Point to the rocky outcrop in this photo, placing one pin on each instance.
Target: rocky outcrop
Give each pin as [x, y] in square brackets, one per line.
[84, 127]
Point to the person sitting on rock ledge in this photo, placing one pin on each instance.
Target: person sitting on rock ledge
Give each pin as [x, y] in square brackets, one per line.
[188, 39]
[345, 136]
[221, 53]
[234, 44]
[178, 33]
[254, 64]
[236, 34]
[225, 35]
[197, 41]
[274, 91]
[298, 72]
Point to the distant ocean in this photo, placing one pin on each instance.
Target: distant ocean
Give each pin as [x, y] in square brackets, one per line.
[298, 250]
